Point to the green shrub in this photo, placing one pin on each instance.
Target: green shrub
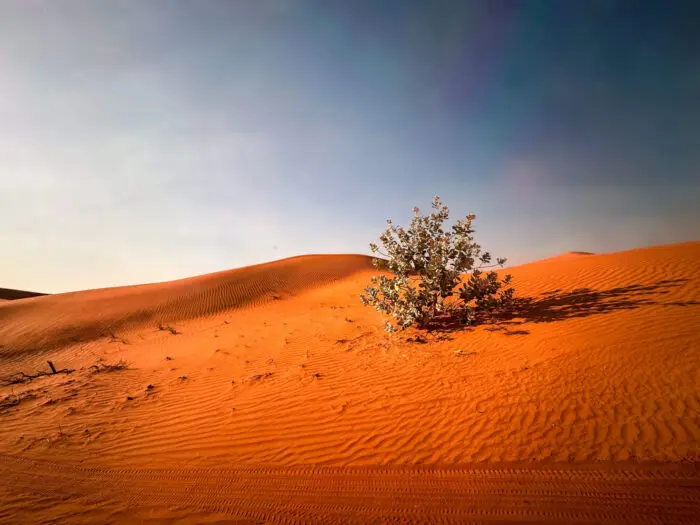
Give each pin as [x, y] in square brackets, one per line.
[427, 266]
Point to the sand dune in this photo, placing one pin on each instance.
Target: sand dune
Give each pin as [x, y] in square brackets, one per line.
[8, 294]
[585, 405]
[62, 319]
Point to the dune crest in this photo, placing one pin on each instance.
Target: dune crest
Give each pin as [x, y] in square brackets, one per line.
[58, 320]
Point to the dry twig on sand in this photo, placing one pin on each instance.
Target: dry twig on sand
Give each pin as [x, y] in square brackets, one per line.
[258, 377]
[13, 399]
[17, 378]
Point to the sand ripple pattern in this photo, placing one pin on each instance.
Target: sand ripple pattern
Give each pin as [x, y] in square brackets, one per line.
[59, 320]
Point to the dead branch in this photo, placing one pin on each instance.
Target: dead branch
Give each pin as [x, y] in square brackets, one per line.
[17, 378]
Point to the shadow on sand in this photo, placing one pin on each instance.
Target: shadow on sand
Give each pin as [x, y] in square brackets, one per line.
[554, 305]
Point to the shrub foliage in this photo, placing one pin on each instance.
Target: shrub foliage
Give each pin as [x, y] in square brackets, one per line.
[427, 267]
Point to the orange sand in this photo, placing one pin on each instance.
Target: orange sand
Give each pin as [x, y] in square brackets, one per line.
[281, 395]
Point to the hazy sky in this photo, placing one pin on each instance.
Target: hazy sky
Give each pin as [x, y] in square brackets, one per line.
[149, 140]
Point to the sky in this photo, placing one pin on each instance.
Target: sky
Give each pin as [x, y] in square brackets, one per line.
[149, 141]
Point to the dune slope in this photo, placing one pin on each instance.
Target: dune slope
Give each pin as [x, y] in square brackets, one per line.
[594, 380]
[60, 319]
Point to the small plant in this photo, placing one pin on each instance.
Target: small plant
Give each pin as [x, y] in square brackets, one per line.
[258, 377]
[167, 327]
[115, 339]
[427, 265]
[101, 366]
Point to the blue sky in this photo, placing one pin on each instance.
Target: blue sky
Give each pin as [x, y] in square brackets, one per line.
[147, 141]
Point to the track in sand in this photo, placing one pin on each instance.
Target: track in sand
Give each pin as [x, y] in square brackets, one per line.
[353, 495]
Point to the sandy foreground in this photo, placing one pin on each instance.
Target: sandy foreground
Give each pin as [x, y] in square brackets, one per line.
[270, 394]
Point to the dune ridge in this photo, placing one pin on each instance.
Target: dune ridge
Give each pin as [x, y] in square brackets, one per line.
[61, 319]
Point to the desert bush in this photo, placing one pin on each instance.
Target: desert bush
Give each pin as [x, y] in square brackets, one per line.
[428, 266]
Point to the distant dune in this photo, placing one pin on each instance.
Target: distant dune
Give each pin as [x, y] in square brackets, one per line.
[62, 319]
[7, 294]
[271, 391]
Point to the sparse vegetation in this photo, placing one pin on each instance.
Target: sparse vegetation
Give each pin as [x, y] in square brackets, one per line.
[101, 366]
[427, 264]
[20, 377]
[115, 339]
[163, 327]
[258, 377]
